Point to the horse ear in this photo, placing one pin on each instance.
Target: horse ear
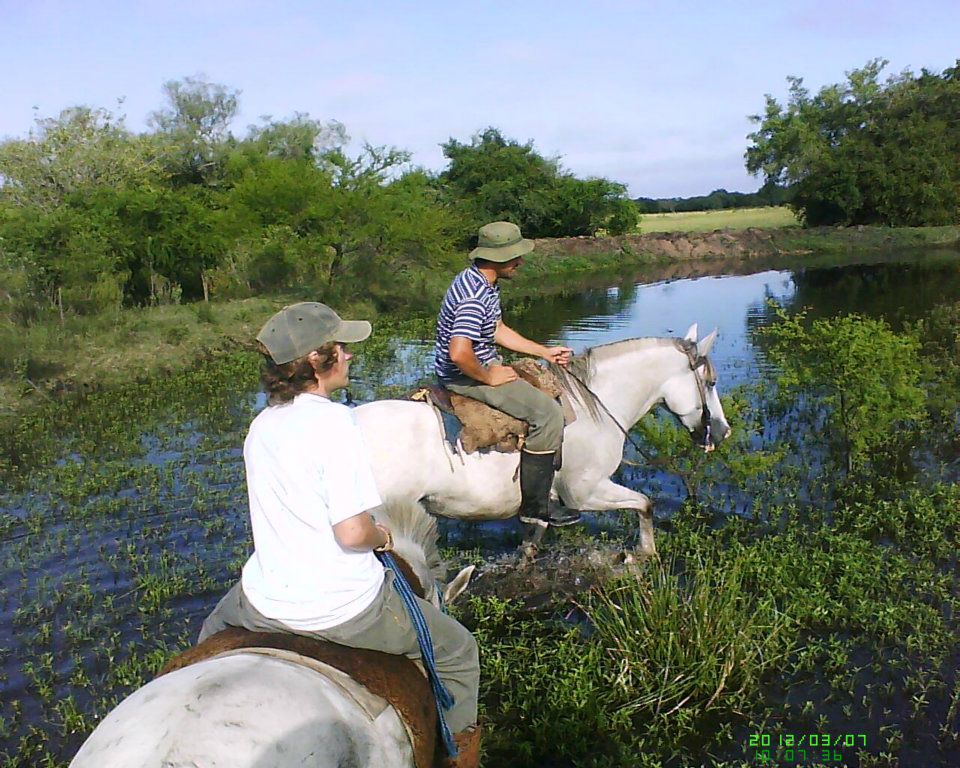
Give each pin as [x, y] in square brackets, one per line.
[691, 334]
[706, 343]
[456, 587]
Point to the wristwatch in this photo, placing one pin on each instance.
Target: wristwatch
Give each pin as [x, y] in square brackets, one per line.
[388, 544]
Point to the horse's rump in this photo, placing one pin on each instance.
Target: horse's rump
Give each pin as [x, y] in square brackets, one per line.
[394, 678]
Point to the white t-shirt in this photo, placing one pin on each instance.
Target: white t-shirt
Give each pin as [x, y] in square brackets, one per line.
[307, 470]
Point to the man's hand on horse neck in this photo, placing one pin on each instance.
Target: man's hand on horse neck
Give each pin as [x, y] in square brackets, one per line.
[505, 336]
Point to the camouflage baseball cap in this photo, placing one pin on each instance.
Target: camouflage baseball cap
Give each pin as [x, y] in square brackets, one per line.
[500, 241]
[301, 328]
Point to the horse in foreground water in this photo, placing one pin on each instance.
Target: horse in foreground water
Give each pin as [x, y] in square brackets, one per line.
[611, 388]
[249, 710]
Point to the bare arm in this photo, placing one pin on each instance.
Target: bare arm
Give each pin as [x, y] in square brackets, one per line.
[360, 533]
[463, 356]
[505, 336]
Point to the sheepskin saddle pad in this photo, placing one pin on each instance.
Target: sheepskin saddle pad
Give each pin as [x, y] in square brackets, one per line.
[478, 425]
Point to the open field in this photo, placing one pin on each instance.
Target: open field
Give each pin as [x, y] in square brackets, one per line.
[707, 221]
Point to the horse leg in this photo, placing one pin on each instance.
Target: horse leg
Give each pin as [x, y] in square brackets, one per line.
[608, 495]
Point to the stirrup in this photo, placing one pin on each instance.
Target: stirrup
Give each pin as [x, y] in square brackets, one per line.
[560, 516]
[553, 519]
[528, 520]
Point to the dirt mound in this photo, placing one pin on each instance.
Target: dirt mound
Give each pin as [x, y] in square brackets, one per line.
[674, 246]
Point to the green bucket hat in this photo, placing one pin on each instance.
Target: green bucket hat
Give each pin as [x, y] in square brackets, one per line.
[500, 241]
[301, 328]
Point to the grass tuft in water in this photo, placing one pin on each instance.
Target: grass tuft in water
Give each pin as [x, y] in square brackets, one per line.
[695, 640]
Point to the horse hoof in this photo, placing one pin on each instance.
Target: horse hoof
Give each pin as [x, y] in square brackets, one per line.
[528, 551]
[637, 557]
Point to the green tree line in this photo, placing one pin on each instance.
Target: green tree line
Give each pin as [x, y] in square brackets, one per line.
[866, 151]
[720, 199]
[94, 216]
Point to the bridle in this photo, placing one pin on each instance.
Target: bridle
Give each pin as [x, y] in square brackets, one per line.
[709, 378]
[696, 361]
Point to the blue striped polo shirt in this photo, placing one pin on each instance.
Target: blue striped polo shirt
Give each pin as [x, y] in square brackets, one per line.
[470, 309]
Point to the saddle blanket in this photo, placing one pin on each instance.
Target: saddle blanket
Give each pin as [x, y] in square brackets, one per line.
[475, 425]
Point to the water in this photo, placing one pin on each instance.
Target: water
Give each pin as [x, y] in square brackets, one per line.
[92, 560]
[893, 287]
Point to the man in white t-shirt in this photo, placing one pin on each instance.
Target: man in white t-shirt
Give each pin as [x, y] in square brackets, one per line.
[313, 571]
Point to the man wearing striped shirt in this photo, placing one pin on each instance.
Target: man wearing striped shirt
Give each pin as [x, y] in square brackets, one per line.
[469, 328]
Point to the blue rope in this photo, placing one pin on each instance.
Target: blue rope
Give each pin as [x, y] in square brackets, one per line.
[440, 692]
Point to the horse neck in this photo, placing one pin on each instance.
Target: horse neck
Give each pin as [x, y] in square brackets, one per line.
[631, 383]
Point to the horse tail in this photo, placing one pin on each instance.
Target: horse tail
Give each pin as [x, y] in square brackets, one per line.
[415, 533]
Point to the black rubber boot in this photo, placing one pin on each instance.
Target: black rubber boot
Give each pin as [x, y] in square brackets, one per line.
[536, 477]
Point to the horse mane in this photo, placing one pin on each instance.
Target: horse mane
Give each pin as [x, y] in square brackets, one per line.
[579, 374]
[413, 526]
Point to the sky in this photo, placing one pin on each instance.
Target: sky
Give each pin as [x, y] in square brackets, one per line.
[654, 95]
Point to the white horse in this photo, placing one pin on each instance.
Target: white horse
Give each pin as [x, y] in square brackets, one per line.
[244, 709]
[612, 387]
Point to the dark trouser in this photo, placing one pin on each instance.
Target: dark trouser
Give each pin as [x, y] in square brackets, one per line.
[522, 401]
[385, 626]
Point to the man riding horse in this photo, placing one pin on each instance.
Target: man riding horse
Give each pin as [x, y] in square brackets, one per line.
[313, 571]
[469, 328]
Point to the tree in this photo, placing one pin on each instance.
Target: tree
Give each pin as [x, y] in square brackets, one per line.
[865, 377]
[342, 224]
[495, 178]
[377, 227]
[865, 152]
[299, 138]
[80, 150]
[195, 126]
[64, 247]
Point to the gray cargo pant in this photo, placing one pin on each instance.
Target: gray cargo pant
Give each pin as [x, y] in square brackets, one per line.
[383, 626]
[522, 401]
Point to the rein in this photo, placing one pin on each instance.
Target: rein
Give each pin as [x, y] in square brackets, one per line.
[440, 693]
[696, 361]
[652, 459]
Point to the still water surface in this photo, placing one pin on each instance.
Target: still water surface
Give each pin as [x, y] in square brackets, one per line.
[893, 287]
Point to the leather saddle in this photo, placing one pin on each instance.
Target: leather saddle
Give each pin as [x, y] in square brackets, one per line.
[391, 679]
[477, 425]
[396, 679]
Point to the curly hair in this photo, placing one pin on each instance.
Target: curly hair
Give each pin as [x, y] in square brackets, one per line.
[284, 382]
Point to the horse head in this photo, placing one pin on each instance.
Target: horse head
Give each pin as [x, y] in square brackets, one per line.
[415, 540]
[691, 393]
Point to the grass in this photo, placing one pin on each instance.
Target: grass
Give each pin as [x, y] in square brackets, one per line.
[43, 361]
[707, 221]
[736, 632]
